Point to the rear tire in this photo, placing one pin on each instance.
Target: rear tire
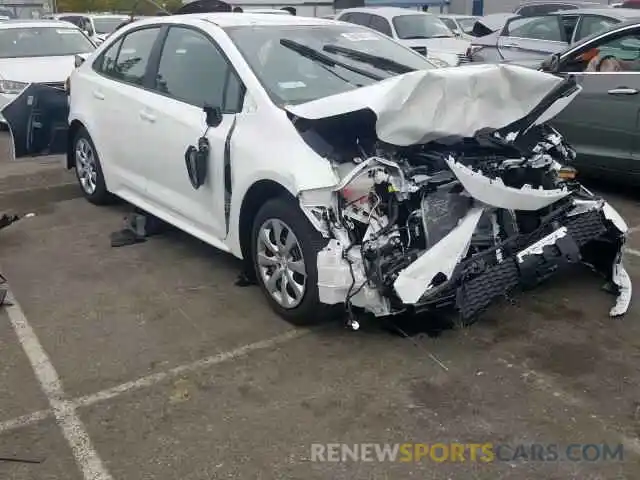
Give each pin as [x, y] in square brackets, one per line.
[89, 170]
[284, 249]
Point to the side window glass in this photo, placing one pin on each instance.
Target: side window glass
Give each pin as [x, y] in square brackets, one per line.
[346, 17]
[380, 24]
[106, 62]
[194, 71]
[450, 23]
[133, 57]
[620, 54]
[359, 18]
[537, 28]
[526, 11]
[591, 24]
[75, 20]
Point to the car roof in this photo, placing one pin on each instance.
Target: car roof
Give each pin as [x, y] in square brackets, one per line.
[229, 19]
[619, 13]
[387, 12]
[35, 23]
[456, 15]
[585, 3]
[84, 14]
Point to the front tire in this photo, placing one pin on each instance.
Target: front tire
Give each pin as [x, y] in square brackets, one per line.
[284, 255]
[89, 170]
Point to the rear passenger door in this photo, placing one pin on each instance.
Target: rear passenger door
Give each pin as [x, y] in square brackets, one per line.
[116, 100]
[532, 37]
[192, 72]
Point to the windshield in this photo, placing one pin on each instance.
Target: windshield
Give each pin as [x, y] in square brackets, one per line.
[420, 26]
[107, 25]
[297, 64]
[467, 24]
[43, 42]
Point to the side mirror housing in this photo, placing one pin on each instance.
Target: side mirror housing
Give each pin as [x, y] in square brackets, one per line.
[213, 116]
[78, 60]
[551, 64]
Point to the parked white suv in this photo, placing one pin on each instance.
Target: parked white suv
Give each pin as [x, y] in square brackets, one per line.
[340, 165]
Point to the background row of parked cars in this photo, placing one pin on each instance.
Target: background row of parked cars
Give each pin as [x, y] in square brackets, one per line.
[602, 123]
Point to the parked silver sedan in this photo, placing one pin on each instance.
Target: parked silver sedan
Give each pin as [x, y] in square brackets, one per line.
[535, 37]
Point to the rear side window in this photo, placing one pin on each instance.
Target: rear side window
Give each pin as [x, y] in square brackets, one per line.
[192, 69]
[537, 28]
[77, 21]
[358, 18]
[380, 24]
[450, 23]
[127, 59]
[591, 24]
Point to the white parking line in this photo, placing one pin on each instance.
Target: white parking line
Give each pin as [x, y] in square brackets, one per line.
[143, 382]
[151, 380]
[64, 411]
[24, 420]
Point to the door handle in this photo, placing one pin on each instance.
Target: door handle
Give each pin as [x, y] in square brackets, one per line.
[623, 91]
[147, 116]
[510, 45]
[98, 95]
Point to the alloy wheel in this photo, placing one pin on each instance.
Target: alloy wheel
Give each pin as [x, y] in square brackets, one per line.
[281, 263]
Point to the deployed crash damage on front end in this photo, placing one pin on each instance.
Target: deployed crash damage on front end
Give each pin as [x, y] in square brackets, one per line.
[453, 192]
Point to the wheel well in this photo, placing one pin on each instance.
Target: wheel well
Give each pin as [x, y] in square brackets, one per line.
[71, 135]
[255, 197]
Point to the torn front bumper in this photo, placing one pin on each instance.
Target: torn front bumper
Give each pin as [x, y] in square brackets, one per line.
[567, 237]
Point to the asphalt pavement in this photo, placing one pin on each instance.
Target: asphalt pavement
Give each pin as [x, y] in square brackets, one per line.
[148, 362]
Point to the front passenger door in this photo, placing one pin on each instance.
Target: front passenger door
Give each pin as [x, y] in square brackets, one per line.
[192, 72]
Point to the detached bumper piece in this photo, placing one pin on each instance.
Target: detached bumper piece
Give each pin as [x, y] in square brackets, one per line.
[546, 254]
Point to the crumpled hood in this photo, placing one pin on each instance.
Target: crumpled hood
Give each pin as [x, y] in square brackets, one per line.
[422, 106]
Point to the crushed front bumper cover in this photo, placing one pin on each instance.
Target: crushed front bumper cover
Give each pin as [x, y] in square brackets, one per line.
[527, 260]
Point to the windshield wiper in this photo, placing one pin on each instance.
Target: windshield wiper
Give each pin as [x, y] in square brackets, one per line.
[442, 36]
[320, 57]
[374, 60]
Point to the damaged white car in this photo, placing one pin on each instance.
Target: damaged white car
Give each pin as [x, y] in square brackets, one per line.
[341, 166]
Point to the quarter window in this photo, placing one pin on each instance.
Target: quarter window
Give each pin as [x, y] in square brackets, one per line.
[193, 70]
[538, 28]
[591, 24]
[381, 25]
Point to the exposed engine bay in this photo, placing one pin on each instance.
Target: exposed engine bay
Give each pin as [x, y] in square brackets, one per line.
[457, 221]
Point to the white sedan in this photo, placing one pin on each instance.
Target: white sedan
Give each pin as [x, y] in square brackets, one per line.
[340, 165]
[37, 51]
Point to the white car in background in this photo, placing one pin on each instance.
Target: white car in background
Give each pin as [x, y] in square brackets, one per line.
[341, 166]
[460, 25]
[97, 26]
[421, 31]
[38, 51]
